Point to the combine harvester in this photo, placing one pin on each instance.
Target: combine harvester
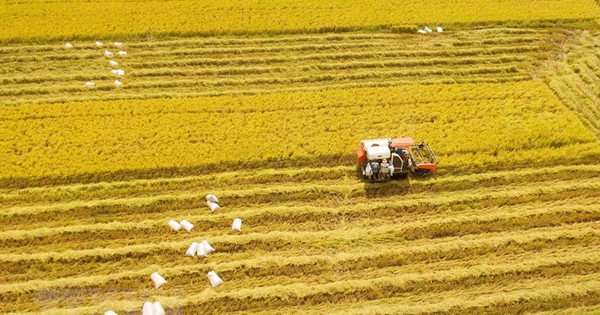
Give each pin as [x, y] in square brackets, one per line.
[384, 159]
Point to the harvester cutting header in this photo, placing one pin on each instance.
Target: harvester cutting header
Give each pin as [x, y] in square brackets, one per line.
[384, 159]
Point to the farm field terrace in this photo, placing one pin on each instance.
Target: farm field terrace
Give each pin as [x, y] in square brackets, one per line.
[89, 177]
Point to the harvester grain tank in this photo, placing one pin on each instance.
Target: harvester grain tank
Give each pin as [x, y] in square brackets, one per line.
[387, 158]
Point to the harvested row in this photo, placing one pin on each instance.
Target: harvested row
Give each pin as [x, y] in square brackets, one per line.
[279, 70]
[79, 65]
[427, 249]
[576, 81]
[326, 195]
[293, 65]
[319, 216]
[241, 179]
[388, 286]
[212, 84]
[230, 261]
[84, 283]
[200, 89]
[439, 47]
[308, 219]
[423, 73]
[535, 296]
[481, 37]
[290, 272]
[563, 265]
[272, 241]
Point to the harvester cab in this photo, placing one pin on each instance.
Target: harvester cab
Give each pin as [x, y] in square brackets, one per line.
[384, 159]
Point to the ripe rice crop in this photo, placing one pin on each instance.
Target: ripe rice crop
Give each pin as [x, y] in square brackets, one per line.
[135, 134]
[268, 121]
[66, 19]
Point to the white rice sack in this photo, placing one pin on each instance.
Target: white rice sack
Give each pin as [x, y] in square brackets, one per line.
[158, 280]
[118, 44]
[427, 29]
[99, 44]
[121, 72]
[422, 32]
[122, 53]
[212, 198]
[206, 246]
[148, 309]
[68, 45]
[108, 53]
[201, 251]
[186, 225]
[158, 309]
[114, 71]
[214, 279]
[174, 225]
[439, 29]
[118, 83]
[90, 84]
[110, 313]
[213, 206]
[191, 251]
[237, 225]
[113, 63]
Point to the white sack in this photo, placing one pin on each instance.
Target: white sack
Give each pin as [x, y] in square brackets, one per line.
[422, 32]
[113, 71]
[99, 44]
[90, 84]
[113, 63]
[108, 53]
[439, 29]
[207, 248]
[110, 313]
[118, 44]
[157, 279]
[122, 53]
[237, 225]
[148, 309]
[192, 250]
[186, 225]
[121, 72]
[213, 206]
[158, 309]
[68, 45]
[174, 225]
[212, 198]
[201, 250]
[118, 83]
[427, 29]
[214, 279]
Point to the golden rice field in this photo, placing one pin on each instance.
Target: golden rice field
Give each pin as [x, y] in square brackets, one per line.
[263, 104]
[40, 19]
